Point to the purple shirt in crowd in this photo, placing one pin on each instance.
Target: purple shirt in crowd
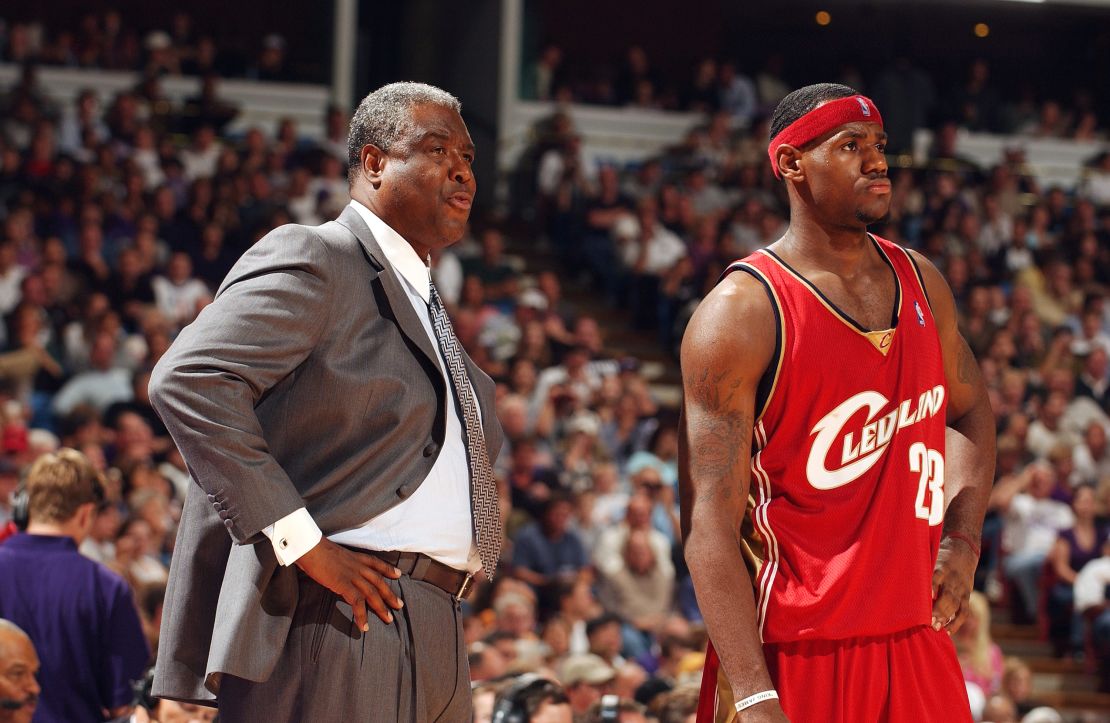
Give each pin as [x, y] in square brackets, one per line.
[82, 619]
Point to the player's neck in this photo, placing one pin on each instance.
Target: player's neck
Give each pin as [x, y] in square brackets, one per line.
[844, 251]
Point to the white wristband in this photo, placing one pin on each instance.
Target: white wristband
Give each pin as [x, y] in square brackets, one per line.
[757, 698]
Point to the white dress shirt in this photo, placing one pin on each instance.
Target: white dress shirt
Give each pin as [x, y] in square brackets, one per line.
[436, 518]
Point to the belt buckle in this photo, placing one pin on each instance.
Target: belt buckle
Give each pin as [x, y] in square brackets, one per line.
[464, 588]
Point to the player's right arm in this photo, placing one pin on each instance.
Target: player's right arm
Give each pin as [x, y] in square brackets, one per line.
[728, 345]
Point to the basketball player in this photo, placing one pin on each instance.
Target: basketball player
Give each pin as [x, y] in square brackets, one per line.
[837, 451]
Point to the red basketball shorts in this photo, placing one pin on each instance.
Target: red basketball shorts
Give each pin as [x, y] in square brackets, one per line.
[909, 677]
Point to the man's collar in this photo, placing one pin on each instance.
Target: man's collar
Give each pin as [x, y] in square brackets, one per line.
[397, 250]
[27, 539]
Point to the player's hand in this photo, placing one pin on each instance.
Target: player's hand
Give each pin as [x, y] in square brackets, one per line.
[953, 577]
[769, 711]
[355, 577]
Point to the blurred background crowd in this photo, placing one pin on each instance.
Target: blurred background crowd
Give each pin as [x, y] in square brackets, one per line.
[120, 215]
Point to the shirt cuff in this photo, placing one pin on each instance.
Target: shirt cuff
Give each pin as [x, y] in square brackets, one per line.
[293, 535]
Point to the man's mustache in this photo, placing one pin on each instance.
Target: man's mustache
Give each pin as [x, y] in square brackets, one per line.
[10, 704]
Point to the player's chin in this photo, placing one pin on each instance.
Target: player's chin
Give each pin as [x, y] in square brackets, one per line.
[873, 213]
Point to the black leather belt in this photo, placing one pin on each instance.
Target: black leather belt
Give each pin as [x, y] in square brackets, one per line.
[419, 566]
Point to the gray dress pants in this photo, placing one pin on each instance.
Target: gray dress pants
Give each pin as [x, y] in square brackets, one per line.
[411, 671]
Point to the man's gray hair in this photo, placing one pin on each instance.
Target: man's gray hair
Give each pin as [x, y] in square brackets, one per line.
[386, 115]
[7, 626]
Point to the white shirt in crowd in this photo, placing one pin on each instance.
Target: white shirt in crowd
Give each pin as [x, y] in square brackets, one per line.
[1032, 524]
[179, 302]
[1090, 584]
[664, 247]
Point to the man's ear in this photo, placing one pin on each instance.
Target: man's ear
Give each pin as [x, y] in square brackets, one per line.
[788, 161]
[372, 160]
[86, 515]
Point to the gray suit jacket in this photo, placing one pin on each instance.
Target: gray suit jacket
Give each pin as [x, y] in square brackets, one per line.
[309, 381]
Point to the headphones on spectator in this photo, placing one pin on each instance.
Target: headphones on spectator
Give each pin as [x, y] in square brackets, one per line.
[142, 689]
[21, 502]
[21, 507]
[510, 706]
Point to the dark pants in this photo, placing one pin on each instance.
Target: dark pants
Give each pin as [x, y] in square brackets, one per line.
[414, 669]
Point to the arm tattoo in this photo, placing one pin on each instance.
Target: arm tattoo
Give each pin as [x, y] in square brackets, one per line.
[716, 438]
[967, 369]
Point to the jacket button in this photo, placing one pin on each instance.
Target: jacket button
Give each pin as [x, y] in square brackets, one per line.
[431, 449]
[217, 506]
[211, 498]
[229, 524]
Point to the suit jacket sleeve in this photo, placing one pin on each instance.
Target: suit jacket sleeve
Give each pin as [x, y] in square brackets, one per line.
[266, 319]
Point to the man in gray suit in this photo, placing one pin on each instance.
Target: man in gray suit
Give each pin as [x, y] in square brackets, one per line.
[342, 440]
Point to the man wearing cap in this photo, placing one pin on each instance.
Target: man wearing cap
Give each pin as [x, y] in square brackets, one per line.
[585, 679]
[837, 450]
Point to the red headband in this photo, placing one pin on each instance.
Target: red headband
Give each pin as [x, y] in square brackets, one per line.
[823, 119]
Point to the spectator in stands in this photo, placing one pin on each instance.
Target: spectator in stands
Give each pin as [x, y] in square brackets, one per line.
[19, 669]
[178, 294]
[9, 481]
[621, 710]
[640, 590]
[1094, 378]
[605, 634]
[1000, 709]
[81, 615]
[547, 551]
[600, 216]
[736, 95]
[207, 107]
[980, 657]
[101, 385]
[136, 560]
[1092, 457]
[608, 556]
[633, 75]
[1047, 431]
[906, 95]
[271, 63]
[677, 706]
[1073, 549]
[648, 252]
[585, 678]
[492, 268]
[1017, 684]
[199, 160]
[532, 699]
[1032, 522]
[1091, 601]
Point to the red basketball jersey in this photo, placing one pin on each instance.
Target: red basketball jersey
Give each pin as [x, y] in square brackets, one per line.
[847, 462]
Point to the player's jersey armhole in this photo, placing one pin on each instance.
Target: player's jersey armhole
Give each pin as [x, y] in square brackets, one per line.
[920, 278]
[769, 380]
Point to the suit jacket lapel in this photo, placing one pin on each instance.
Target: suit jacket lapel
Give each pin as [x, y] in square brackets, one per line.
[407, 320]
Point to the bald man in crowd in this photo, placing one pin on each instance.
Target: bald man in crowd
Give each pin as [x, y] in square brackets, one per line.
[19, 688]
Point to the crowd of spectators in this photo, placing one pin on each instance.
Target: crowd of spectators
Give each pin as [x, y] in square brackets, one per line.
[107, 40]
[117, 229]
[908, 96]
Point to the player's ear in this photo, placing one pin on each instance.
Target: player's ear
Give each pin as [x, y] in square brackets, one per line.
[788, 160]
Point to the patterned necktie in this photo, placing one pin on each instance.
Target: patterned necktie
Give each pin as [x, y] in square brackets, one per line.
[485, 511]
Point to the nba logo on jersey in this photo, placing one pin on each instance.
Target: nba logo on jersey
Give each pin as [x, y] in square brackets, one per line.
[920, 315]
[864, 108]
